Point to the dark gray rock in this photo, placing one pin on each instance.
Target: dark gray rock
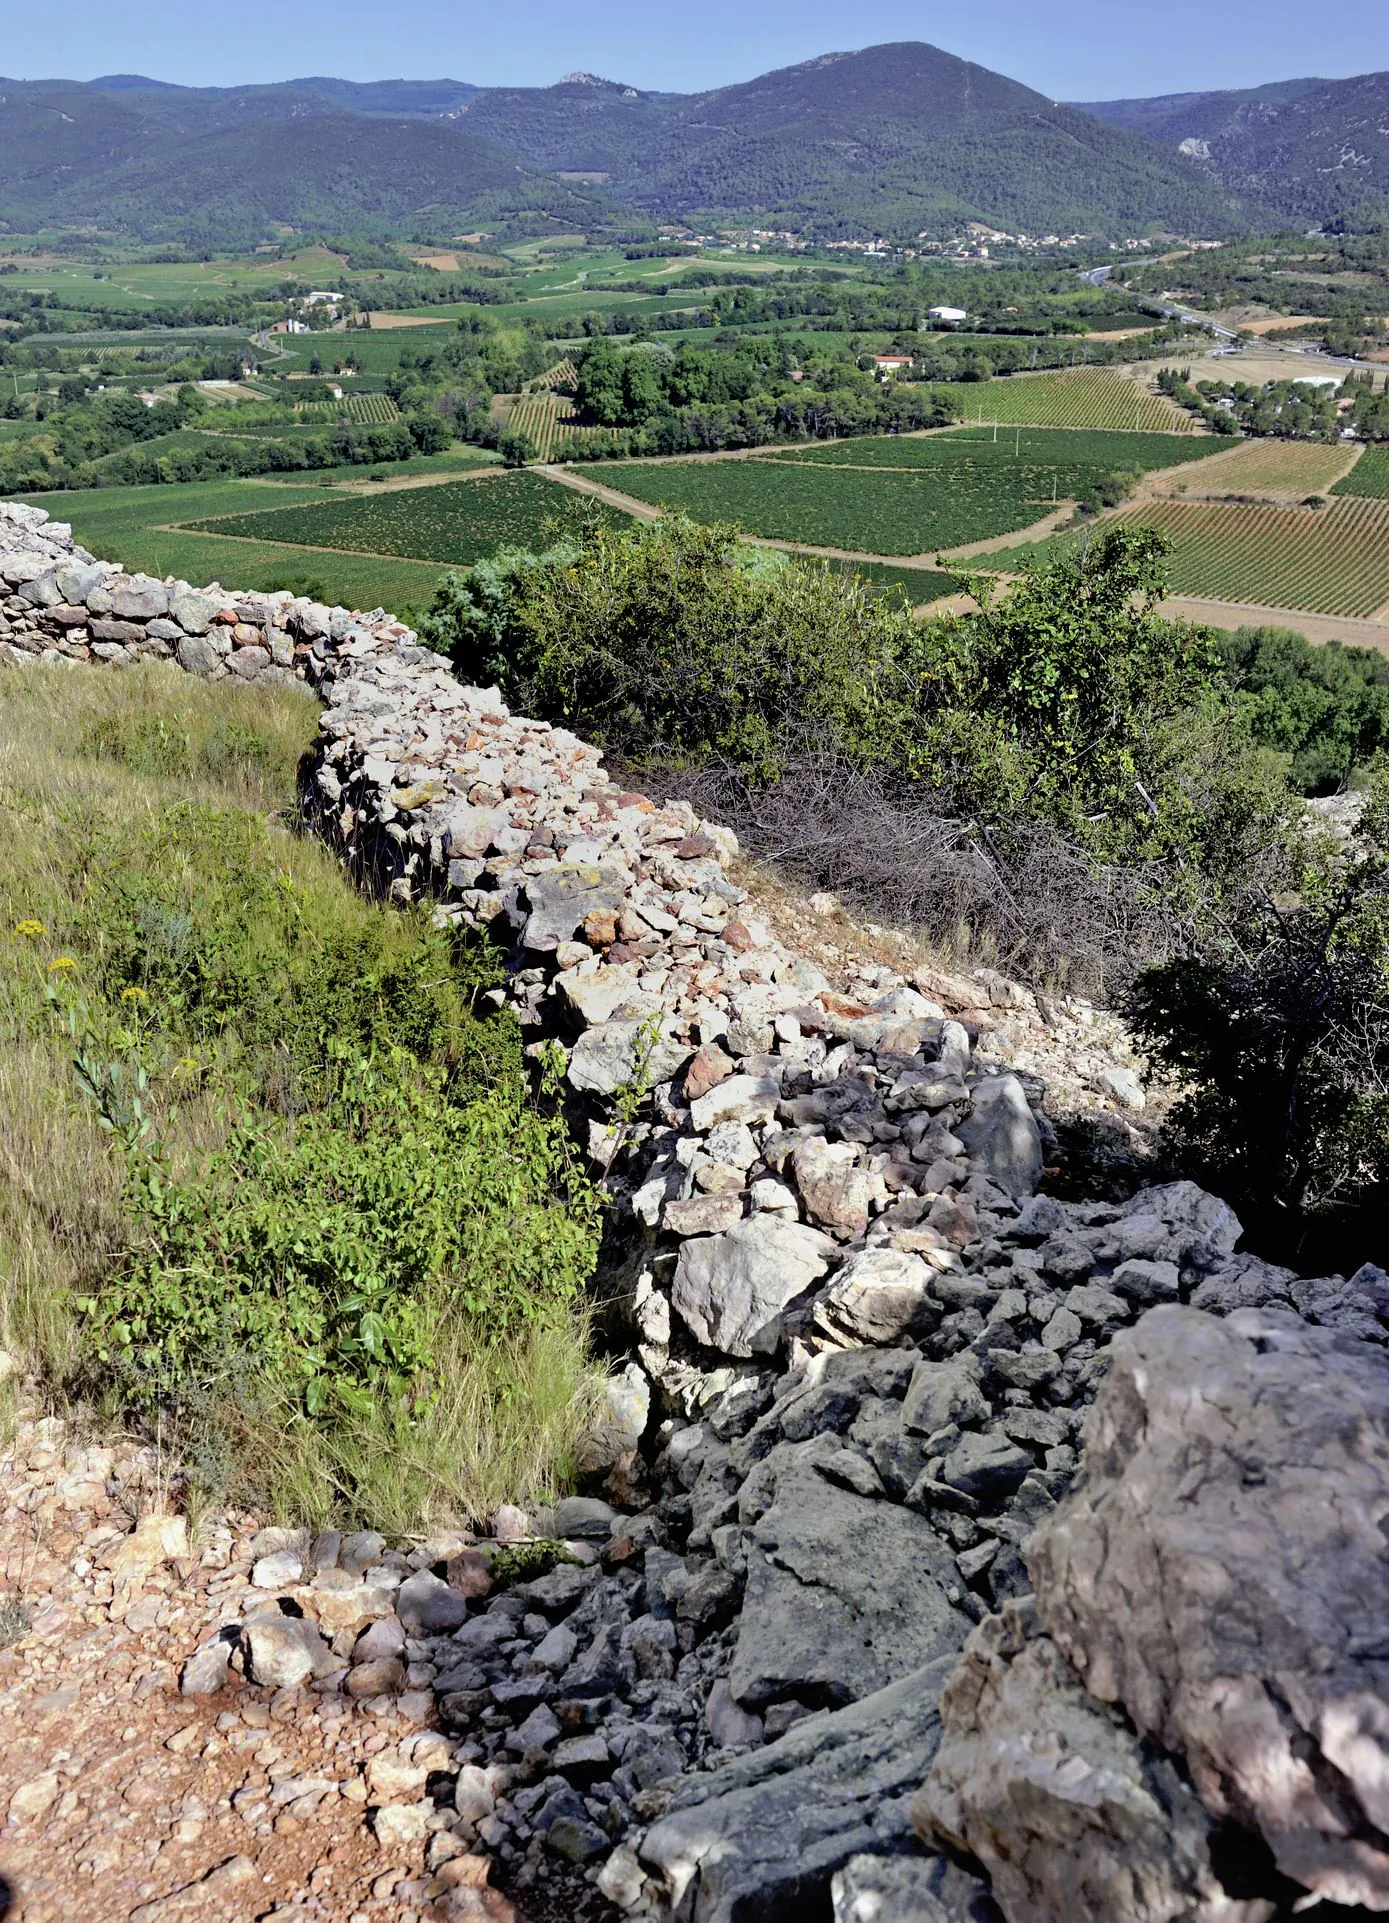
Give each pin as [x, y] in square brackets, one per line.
[428, 1607]
[843, 1592]
[1001, 1136]
[764, 1835]
[986, 1468]
[579, 1518]
[943, 1392]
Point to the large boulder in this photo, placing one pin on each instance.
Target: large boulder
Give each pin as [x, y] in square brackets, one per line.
[845, 1591]
[1075, 1819]
[878, 1296]
[1221, 1572]
[730, 1289]
[764, 1836]
[1001, 1136]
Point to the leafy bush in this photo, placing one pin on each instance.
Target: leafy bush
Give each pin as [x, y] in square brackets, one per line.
[1281, 1033]
[1064, 729]
[673, 639]
[329, 1252]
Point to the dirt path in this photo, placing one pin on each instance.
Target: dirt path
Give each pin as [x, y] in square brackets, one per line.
[127, 1802]
[1349, 630]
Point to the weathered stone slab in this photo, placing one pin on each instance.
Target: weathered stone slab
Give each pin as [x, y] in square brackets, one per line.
[764, 1836]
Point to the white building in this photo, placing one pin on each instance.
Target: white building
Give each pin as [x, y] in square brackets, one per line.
[946, 314]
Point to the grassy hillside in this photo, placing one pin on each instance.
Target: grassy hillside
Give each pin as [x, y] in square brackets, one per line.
[287, 1040]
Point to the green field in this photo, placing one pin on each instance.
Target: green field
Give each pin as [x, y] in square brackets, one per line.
[1369, 478]
[905, 587]
[453, 524]
[1070, 449]
[132, 525]
[1068, 397]
[374, 351]
[957, 489]
[127, 286]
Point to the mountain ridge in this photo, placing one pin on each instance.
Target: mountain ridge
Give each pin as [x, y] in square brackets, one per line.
[1313, 148]
[898, 138]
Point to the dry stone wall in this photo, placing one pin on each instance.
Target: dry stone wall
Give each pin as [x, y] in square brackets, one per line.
[862, 1343]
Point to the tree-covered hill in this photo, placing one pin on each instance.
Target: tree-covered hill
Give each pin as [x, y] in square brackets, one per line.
[897, 138]
[886, 137]
[1308, 148]
[217, 168]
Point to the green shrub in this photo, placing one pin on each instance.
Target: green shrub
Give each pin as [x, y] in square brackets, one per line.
[1070, 699]
[737, 672]
[674, 639]
[1279, 1029]
[327, 1252]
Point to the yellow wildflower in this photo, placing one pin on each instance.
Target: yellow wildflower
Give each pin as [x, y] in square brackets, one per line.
[29, 927]
[63, 961]
[134, 995]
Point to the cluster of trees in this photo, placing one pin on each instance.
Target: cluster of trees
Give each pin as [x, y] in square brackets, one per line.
[747, 394]
[1287, 410]
[114, 440]
[1075, 781]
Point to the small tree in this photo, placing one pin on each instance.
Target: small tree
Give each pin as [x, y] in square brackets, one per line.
[517, 449]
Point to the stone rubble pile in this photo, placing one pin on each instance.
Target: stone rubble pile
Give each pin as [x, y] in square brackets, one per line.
[864, 1351]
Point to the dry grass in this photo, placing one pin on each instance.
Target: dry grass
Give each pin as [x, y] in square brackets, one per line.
[1272, 470]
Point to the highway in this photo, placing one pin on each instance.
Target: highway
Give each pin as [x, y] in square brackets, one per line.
[1098, 276]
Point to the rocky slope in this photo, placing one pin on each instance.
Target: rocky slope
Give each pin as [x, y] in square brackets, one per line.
[862, 1351]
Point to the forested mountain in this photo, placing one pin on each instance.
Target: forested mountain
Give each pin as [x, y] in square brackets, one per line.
[896, 138]
[899, 137]
[1174, 117]
[1309, 148]
[226, 166]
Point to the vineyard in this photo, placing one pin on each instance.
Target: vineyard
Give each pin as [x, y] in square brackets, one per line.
[1071, 450]
[1284, 470]
[1331, 560]
[1369, 478]
[547, 417]
[1068, 397]
[368, 410]
[562, 374]
[904, 587]
[954, 492]
[457, 523]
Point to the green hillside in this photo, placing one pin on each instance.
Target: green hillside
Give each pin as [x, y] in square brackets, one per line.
[894, 138]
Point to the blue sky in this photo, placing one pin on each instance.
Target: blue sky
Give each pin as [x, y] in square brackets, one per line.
[1073, 49]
